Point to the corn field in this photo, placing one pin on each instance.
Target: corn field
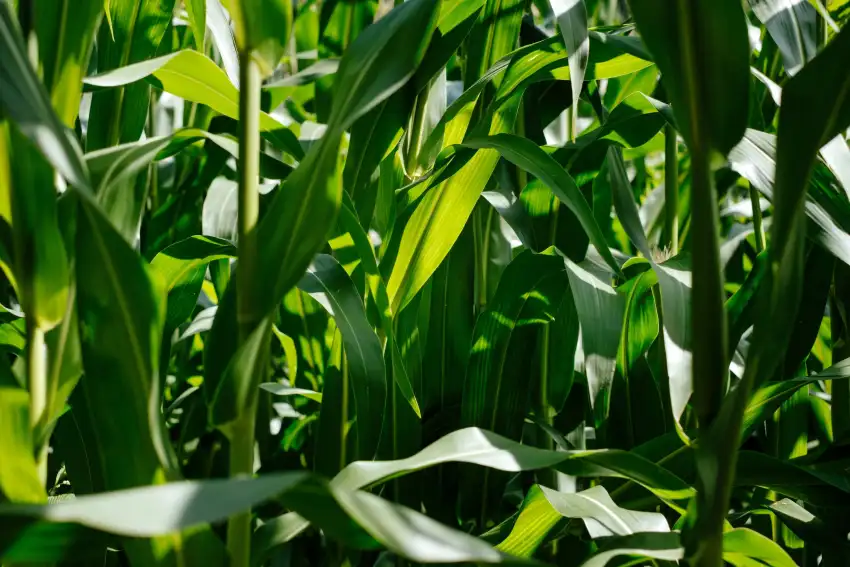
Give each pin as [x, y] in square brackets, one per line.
[356, 283]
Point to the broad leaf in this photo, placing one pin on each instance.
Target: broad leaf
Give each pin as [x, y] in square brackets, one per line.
[24, 100]
[327, 282]
[544, 507]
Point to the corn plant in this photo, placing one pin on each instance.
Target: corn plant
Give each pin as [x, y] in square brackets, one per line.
[374, 283]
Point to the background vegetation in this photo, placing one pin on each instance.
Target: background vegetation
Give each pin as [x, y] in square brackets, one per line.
[337, 282]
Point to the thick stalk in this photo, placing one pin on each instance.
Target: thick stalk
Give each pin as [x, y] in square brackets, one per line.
[242, 442]
[671, 188]
[710, 368]
[709, 316]
[757, 223]
[37, 382]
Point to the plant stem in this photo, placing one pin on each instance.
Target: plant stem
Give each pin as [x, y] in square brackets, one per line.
[671, 188]
[709, 317]
[242, 440]
[757, 224]
[249, 194]
[710, 359]
[37, 382]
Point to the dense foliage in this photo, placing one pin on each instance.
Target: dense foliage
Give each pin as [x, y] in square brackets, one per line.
[362, 282]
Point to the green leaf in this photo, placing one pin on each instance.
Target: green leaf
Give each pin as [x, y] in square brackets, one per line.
[793, 26]
[674, 278]
[262, 28]
[244, 373]
[663, 546]
[41, 266]
[754, 158]
[572, 21]
[19, 478]
[358, 519]
[328, 283]
[182, 267]
[743, 543]
[816, 106]
[121, 324]
[120, 319]
[480, 447]
[293, 234]
[337, 26]
[378, 291]
[640, 323]
[442, 213]
[66, 31]
[600, 312]
[197, 12]
[195, 77]
[544, 507]
[134, 34]
[527, 155]
[769, 397]
[281, 390]
[495, 391]
[24, 100]
[494, 35]
[707, 80]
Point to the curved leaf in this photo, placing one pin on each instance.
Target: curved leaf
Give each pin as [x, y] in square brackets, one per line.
[741, 544]
[529, 156]
[477, 446]
[663, 546]
[359, 519]
[544, 507]
[182, 267]
[195, 77]
[328, 283]
[25, 101]
[135, 33]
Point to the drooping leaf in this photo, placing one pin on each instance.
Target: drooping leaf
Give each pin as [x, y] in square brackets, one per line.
[754, 158]
[663, 546]
[195, 77]
[793, 26]
[327, 282]
[544, 507]
[477, 446]
[182, 267]
[530, 157]
[360, 520]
